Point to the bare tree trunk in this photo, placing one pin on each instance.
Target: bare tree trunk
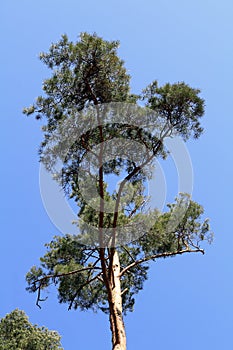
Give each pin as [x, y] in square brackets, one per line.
[115, 303]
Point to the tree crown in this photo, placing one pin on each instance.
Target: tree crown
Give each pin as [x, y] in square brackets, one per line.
[88, 95]
[16, 332]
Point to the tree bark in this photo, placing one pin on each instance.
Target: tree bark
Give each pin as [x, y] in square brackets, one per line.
[115, 307]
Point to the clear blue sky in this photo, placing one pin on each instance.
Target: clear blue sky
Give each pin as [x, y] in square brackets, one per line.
[187, 302]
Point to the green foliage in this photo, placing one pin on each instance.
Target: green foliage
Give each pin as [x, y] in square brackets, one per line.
[179, 104]
[76, 269]
[83, 288]
[17, 333]
[182, 227]
[85, 74]
[64, 255]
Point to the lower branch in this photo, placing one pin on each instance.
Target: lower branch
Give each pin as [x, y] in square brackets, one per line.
[40, 280]
[54, 276]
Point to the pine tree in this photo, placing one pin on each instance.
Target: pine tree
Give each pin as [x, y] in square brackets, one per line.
[94, 121]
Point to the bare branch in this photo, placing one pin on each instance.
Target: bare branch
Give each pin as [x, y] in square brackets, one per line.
[161, 255]
[66, 273]
[124, 291]
[126, 250]
[39, 298]
[100, 279]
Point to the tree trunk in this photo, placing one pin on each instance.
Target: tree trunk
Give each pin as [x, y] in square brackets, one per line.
[115, 303]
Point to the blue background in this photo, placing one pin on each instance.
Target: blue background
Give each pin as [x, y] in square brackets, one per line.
[187, 302]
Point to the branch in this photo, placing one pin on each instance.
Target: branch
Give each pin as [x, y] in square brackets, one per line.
[124, 291]
[161, 255]
[127, 178]
[115, 217]
[126, 250]
[100, 279]
[86, 146]
[83, 285]
[90, 255]
[39, 299]
[136, 208]
[66, 273]
[156, 149]
[40, 280]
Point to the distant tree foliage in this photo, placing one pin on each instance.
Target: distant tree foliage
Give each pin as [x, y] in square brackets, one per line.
[17, 333]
